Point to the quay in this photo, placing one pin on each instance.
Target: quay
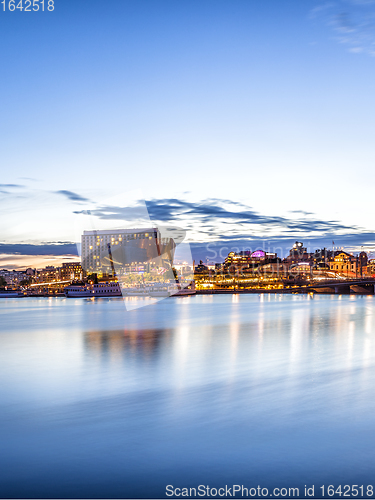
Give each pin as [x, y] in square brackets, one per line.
[339, 287]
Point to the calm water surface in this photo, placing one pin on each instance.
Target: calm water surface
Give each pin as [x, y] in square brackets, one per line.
[270, 390]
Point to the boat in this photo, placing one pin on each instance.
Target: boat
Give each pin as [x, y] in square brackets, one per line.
[8, 294]
[111, 289]
[78, 291]
[175, 290]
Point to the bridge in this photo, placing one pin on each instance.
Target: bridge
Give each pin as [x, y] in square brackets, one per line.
[364, 286]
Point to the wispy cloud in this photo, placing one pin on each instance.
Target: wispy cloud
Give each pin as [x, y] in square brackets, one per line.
[44, 248]
[71, 195]
[29, 179]
[4, 188]
[225, 220]
[351, 21]
[320, 9]
[213, 211]
[303, 212]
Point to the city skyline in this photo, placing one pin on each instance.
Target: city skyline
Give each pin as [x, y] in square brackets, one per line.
[243, 123]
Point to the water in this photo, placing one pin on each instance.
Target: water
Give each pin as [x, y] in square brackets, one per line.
[269, 390]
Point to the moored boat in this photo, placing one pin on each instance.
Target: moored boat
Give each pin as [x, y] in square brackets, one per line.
[78, 291]
[111, 289]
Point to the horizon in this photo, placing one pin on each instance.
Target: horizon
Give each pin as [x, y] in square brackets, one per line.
[54, 261]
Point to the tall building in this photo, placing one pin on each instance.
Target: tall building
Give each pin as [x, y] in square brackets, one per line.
[130, 250]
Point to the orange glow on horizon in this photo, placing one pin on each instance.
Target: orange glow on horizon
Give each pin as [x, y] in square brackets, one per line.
[18, 262]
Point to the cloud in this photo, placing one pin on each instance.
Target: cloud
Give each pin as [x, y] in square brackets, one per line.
[219, 225]
[29, 179]
[319, 9]
[303, 212]
[5, 187]
[19, 262]
[11, 186]
[225, 220]
[47, 248]
[215, 210]
[110, 212]
[71, 196]
[352, 22]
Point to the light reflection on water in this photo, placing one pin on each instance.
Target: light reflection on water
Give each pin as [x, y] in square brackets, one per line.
[258, 389]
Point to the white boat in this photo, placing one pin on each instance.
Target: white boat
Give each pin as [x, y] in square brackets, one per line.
[111, 289]
[78, 291]
[176, 290]
[10, 293]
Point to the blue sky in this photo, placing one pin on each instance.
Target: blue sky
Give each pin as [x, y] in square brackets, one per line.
[265, 104]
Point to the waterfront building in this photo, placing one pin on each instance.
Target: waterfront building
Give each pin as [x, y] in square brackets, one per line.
[261, 255]
[71, 271]
[321, 257]
[301, 268]
[14, 277]
[371, 267]
[128, 250]
[48, 274]
[241, 259]
[276, 268]
[344, 263]
[201, 268]
[247, 259]
[362, 264]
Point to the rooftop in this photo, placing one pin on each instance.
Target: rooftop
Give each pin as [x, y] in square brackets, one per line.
[122, 231]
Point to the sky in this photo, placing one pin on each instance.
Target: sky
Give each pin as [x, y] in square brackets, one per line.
[248, 123]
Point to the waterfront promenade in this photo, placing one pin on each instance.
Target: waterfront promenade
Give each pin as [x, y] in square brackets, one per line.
[364, 286]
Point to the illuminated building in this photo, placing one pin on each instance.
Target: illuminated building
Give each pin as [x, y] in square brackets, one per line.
[371, 267]
[297, 253]
[246, 259]
[301, 268]
[48, 274]
[133, 250]
[15, 277]
[362, 263]
[344, 263]
[321, 257]
[71, 271]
